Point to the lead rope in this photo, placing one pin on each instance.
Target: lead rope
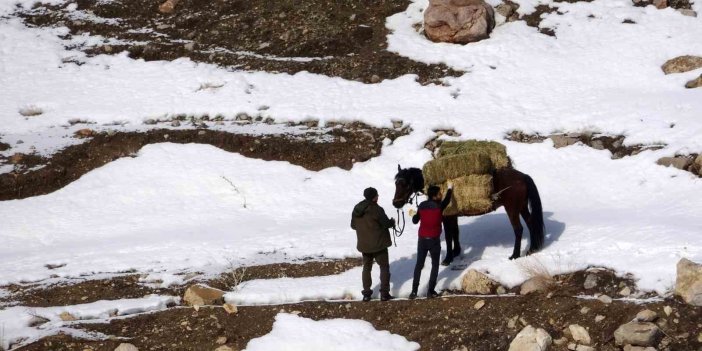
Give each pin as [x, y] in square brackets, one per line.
[399, 227]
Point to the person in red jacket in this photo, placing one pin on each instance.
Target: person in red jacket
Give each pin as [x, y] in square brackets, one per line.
[429, 216]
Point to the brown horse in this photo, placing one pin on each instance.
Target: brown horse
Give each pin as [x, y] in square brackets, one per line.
[515, 191]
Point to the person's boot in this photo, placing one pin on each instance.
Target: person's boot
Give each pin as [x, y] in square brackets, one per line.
[386, 297]
[457, 251]
[447, 261]
[432, 294]
[413, 295]
[366, 298]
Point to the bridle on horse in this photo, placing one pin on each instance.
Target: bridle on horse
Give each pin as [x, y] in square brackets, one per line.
[399, 227]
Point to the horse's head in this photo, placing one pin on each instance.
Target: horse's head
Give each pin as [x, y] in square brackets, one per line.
[407, 182]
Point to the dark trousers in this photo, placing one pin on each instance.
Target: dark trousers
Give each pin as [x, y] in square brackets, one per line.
[451, 235]
[381, 258]
[424, 246]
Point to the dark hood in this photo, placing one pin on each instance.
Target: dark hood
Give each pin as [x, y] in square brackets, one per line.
[360, 209]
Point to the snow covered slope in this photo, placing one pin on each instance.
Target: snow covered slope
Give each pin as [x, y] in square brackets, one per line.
[169, 209]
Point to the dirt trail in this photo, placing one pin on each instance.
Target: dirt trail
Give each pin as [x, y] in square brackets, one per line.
[128, 286]
[337, 147]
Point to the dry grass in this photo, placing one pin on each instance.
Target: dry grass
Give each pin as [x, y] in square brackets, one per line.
[233, 278]
[236, 189]
[496, 151]
[471, 195]
[533, 268]
[455, 166]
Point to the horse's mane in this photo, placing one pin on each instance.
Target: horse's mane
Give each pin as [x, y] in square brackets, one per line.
[413, 175]
[408, 173]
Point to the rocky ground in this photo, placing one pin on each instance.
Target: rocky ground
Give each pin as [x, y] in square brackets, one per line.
[614, 144]
[576, 310]
[331, 37]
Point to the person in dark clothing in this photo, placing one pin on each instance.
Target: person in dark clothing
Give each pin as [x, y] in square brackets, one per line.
[429, 216]
[372, 228]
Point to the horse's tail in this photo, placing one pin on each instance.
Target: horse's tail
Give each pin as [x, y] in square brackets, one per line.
[537, 216]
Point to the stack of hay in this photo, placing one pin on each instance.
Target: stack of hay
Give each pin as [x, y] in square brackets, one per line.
[469, 165]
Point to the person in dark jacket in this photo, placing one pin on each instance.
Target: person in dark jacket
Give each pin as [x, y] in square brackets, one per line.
[429, 216]
[372, 228]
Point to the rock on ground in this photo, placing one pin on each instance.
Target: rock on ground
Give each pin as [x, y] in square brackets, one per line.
[646, 316]
[230, 308]
[605, 299]
[458, 21]
[677, 162]
[168, 6]
[668, 310]
[688, 12]
[199, 295]
[508, 9]
[67, 317]
[535, 284]
[638, 348]
[84, 133]
[560, 141]
[695, 83]
[682, 64]
[697, 166]
[475, 282]
[637, 334]
[531, 339]
[576, 347]
[688, 283]
[126, 347]
[580, 334]
[590, 281]
[37, 321]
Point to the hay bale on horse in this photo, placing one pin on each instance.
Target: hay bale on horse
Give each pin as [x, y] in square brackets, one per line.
[483, 180]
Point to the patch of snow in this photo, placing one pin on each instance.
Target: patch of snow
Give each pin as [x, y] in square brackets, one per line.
[91, 17]
[294, 333]
[267, 57]
[15, 321]
[162, 280]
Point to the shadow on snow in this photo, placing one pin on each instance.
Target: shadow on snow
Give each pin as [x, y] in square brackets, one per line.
[484, 231]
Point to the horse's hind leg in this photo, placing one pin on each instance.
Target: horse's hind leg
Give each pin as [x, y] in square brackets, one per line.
[456, 236]
[451, 234]
[518, 230]
[527, 219]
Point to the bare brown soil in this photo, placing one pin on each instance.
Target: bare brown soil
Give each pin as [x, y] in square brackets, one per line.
[447, 323]
[348, 37]
[346, 145]
[128, 286]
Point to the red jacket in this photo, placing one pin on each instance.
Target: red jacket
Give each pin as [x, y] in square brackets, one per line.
[429, 216]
